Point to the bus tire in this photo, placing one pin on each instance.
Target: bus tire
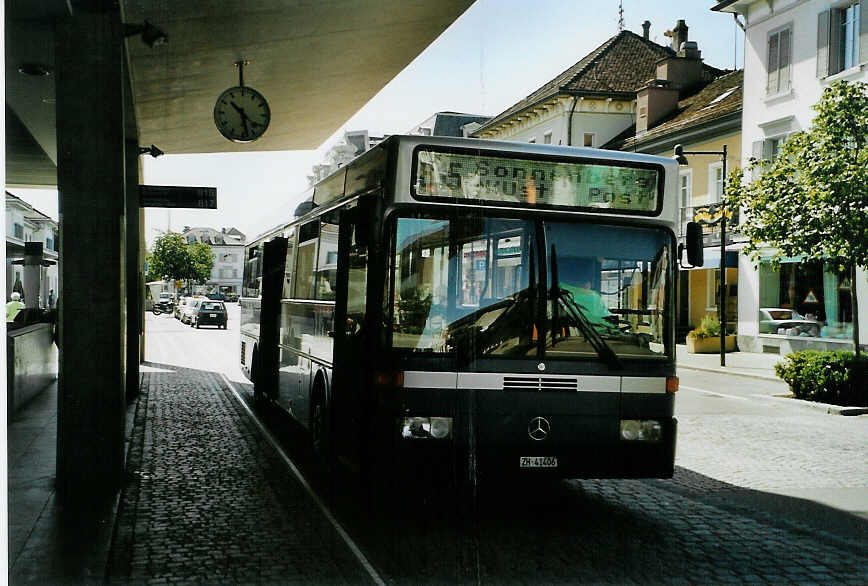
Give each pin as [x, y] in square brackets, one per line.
[320, 429]
[258, 395]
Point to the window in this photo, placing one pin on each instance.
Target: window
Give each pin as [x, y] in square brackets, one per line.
[767, 150]
[547, 138]
[18, 231]
[778, 64]
[712, 289]
[838, 37]
[685, 191]
[588, 139]
[715, 182]
[805, 299]
[49, 244]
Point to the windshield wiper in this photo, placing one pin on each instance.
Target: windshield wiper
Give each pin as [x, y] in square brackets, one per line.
[593, 336]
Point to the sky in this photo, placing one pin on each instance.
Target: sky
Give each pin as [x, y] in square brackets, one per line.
[492, 56]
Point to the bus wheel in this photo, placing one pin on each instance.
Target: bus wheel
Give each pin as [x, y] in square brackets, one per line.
[258, 395]
[319, 425]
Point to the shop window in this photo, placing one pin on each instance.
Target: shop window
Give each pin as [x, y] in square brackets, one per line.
[807, 299]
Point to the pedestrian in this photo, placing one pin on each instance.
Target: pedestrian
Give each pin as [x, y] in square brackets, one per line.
[50, 298]
[14, 306]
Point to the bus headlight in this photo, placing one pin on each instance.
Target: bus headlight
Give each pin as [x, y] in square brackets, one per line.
[426, 427]
[641, 430]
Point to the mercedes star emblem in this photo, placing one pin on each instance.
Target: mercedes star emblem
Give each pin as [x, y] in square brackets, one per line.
[539, 428]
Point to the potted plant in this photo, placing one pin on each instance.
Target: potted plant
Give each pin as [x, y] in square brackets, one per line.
[706, 338]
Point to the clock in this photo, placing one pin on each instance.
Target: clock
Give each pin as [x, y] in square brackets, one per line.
[241, 114]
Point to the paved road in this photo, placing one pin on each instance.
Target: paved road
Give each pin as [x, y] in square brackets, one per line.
[722, 518]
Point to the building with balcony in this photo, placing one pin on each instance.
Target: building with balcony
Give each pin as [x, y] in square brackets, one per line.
[793, 50]
[24, 223]
[705, 120]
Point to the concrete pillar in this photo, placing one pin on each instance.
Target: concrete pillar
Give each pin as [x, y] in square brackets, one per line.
[132, 261]
[90, 172]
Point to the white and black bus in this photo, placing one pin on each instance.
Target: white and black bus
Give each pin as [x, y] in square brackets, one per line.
[493, 307]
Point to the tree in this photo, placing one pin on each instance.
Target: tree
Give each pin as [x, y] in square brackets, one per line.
[201, 262]
[170, 258]
[812, 200]
[174, 259]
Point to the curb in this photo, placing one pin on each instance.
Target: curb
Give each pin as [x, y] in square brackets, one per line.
[730, 372]
[825, 407]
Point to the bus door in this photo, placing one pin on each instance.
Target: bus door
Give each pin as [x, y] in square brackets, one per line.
[352, 337]
[273, 259]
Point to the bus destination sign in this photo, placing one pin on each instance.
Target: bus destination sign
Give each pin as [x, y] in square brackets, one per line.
[536, 182]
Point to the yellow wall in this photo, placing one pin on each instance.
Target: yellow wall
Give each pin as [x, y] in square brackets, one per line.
[698, 164]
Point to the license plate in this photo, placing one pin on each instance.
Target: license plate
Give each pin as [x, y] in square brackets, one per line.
[212, 315]
[538, 462]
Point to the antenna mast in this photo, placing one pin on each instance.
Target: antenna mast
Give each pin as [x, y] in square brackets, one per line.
[620, 15]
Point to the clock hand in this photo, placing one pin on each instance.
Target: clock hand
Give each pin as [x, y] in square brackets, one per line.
[244, 118]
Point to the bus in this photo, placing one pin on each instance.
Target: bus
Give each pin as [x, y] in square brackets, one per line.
[488, 308]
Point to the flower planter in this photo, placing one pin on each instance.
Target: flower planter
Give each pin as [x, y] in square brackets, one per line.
[709, 345]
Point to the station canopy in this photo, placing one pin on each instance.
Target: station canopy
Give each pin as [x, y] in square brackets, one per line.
[317, 63]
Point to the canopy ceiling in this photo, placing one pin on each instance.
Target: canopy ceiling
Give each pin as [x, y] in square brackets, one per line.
[316, 61]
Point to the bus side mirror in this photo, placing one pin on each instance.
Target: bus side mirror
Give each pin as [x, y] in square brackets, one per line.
[695, 255]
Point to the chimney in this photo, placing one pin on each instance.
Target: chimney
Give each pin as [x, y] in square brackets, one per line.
[683, 70]
[654, 102]
[646, 26]
[679, 35]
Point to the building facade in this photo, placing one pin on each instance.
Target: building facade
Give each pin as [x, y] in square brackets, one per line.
[596, 99]
[227, 245]
[707, 119]
[25, 224]
[793, 50]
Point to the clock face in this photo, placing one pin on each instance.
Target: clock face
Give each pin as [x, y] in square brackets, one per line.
[241, 114]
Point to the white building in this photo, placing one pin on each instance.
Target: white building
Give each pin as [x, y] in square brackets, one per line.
[227, 244]
[794, 49]
[25, 224]
[596, 99]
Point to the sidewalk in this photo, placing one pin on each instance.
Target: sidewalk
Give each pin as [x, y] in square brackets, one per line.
[207, 500]
[749, 364]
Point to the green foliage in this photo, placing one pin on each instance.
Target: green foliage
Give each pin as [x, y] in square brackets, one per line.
[813, 198]
[201, 262]
[826, 377]
[173, 259]
[709, 327]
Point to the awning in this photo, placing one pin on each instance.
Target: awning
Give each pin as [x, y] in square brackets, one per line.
[711, 259]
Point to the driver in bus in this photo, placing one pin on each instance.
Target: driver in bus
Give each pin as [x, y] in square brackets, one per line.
[575, 277]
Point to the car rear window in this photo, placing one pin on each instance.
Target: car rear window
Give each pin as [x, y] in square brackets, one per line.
[212, 306]
[781, 314]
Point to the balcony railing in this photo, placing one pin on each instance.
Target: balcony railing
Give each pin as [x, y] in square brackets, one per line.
[709, 217]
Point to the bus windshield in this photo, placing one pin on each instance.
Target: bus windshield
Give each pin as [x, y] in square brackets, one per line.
[476, 287]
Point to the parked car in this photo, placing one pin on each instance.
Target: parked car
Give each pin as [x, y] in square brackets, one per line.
[179, 307]
[210, 313]
[777, 320]
[189, 310]
[216, 296]
[231, 298]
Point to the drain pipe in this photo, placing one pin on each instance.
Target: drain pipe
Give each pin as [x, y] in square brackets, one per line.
[570, 122]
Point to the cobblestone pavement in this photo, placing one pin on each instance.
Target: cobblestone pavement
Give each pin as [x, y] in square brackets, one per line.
[209, 502]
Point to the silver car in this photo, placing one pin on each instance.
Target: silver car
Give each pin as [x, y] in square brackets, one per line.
[778, 320]
[190, 310]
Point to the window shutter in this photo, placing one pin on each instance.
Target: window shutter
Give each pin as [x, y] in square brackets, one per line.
[772, 87]
[784, 61]
[835, 64]
[823, 44]
[767, 150]
[757, 153]
[863, 33]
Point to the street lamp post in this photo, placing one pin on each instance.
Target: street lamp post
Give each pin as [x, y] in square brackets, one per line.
[682, 160]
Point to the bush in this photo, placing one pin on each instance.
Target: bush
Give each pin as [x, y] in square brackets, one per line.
[709, 327]
[825, 377]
